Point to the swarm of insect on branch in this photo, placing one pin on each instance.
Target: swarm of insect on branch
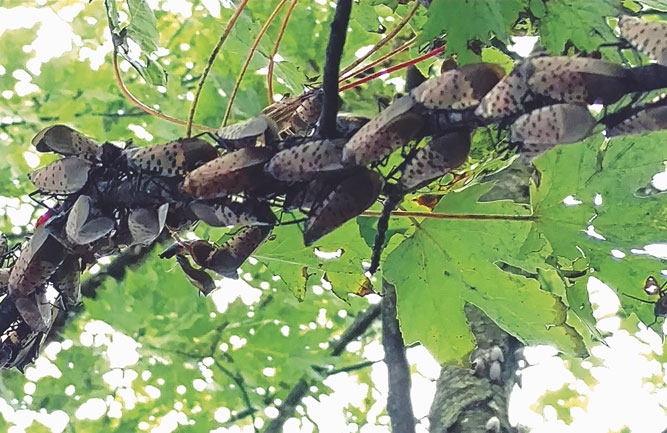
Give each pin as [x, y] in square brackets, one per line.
[251, 174]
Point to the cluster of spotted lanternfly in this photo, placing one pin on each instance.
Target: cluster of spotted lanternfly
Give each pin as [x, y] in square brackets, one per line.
[110, 197]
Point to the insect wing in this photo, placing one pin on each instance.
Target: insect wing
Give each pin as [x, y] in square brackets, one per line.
[508, 96]
[245, 134]
[231, 255]
[458, 89]
[175, 158]
[146, 224]
[40, 257]
[230, 173]
[437, 158]
[4, 280]
[65, 141]
[650, 38]
[67, 281]
[351, 197]
[227, 213]
[306, 161]
[545, 127]
[644, 121]
[31, 313]
[65, 176]
[80, 229]
[197, 277]
[391, 129]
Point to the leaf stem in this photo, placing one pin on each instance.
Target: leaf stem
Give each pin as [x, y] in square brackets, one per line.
[382, 42]
[400, 66]
[435, 215]
[244, 68]
[269, 75]
[389, 55]
[209, 64]
[141, 105]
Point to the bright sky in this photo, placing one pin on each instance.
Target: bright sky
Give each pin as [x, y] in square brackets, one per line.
[623, 396]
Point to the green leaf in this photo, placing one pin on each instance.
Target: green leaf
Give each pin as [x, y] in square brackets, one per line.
[466, 21]
[582, 23]
[626, 220]
[143, 28]
[447, 263]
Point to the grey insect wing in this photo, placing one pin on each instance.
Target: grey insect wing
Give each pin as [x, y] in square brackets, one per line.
[40, 257]
[80, 228]
[33, 315]
[307, 161]
[65, 176]
[228, 213]
[67, 281]
[66, 141]
[650, 38]
[146, 224]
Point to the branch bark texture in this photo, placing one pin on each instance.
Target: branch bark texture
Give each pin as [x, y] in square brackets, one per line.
[335, 47]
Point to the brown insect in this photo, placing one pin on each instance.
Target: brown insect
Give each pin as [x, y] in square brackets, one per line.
[306, 161]
[176, 158]
[231, 173]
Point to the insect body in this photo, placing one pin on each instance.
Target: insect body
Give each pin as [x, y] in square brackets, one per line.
[392, 128]
[65, 141]
[247, 133]
[222, 213]
[650, 38]
[652, 118]
[545, 127]
[40, 257]
[652, 288]
[458, 89]
[437, 158]
[65, 176]
[230, 173]
[176, 158]
[306, 161]
[67, 281]
[352, 196]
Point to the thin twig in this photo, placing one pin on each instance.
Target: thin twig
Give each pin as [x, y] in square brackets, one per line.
[299, 391]
[443, 216]
[337, 35]
[393, 68]
[244, 68]
[374, 63]
[141, 105]
[399, 405]
[238, 380]
[269, 75]
[384, 40]
[209, 65]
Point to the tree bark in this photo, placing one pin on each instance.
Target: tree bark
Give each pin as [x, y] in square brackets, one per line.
[473, 401]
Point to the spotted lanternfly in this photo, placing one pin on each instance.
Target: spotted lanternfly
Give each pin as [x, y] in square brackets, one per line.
[648, 37]
[391, 129]
[651, 288]
[306, 161]
[40, 257]
[226, 259]
[83, 226]
[508, 96]
[65, 176]
[4, 280]
[67, 281]
[247, 134]
[20, 346]
[307, 113]
[230, 173]
[578, 80]
[458, 89]
[222, 213]
[198, 277]
[437, 158]
[146, 224]
[644, 121]
[176, 158]
[65, 141]
[352, 196]
[36, 311]
[545, 127]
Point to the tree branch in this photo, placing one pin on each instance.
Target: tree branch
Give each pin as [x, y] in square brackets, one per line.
[299, 391]
[335, 46]
[399, 405]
